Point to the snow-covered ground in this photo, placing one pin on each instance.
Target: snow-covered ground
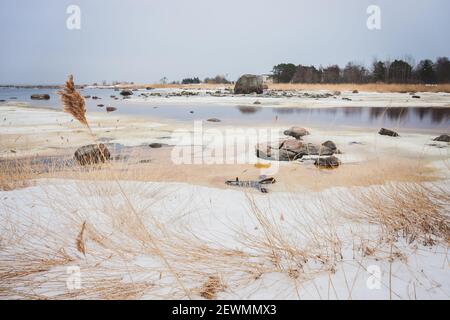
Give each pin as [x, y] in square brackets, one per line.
[314, 252]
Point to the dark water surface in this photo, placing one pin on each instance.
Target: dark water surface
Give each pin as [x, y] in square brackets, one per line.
[412, 117]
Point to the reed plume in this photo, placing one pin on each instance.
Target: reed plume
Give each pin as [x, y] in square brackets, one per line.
[73, 101]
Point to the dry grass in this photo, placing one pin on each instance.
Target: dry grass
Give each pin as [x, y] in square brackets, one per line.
[413, 211]
[301, 246]
[108, 248]
[372, 87]
[16, 174]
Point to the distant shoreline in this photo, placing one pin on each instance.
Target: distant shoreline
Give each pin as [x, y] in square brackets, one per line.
[369, 87]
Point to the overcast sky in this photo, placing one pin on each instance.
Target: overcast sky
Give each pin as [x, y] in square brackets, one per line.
[145, 40]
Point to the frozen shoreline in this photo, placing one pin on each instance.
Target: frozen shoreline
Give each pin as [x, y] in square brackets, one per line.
[273, 98]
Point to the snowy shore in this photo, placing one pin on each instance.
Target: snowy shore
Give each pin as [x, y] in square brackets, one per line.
[158, 229]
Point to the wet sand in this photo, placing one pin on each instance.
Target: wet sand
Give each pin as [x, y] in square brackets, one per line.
[367, 157]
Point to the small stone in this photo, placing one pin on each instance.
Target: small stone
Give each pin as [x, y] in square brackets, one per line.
[296, 132]
[126, 93]
[40, 97]
[328, 162]
[387, 132]
[443, 138]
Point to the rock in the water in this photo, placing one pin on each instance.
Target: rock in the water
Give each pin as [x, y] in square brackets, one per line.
[92, 154]
[257, 102]
[155, 145]
[355, 91]
[110, 109]
[296, 132]
[415, 97]
[126, 93]
[443, 138]
[328, 162]
[249, 83]
[40, 97]
[100, 105]
[213, 120]
[330, 145]
[387, 132]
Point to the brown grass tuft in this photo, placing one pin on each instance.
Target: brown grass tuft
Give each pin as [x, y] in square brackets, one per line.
[211, 287]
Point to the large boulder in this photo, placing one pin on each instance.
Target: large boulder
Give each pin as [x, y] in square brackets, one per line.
[92, 154]
[249, 83]
[40, 97]
[126, 93]
[296, 132]
[387, 132]
[443, 138]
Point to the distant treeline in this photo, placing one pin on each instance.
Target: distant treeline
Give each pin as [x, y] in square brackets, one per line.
[397, 71]
[216, 80]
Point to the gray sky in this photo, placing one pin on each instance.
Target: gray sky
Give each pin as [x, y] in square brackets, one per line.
[144, 40]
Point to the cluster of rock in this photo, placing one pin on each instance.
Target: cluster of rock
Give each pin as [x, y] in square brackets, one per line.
[294, 149]
[184, 93]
